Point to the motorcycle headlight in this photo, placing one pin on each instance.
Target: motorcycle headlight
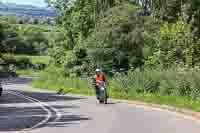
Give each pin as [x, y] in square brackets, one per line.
[102, 88]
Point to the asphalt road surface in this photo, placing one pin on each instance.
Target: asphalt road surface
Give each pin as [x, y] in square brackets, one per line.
[44, 112]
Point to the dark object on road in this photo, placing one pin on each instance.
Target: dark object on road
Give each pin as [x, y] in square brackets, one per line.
[61, 92]
[1, 89]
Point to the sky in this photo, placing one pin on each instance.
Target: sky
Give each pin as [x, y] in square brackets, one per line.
[39, 3]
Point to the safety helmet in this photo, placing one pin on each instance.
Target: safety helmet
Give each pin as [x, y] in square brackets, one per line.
[98, 70]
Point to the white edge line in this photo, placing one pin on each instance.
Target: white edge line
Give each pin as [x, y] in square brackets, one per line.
[177, 114]
[58, 114]
[48, 116]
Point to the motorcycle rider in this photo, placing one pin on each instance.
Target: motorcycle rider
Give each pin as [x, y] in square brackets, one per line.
[99, 80]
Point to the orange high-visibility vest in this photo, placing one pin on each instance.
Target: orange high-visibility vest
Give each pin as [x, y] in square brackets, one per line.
[100, 77]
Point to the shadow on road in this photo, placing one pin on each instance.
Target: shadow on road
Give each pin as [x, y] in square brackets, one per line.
[112, 103]
[10, 81]
[41, 96]
[17, 113]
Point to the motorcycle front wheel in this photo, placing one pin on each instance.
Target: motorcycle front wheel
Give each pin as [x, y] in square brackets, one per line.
[101, 101]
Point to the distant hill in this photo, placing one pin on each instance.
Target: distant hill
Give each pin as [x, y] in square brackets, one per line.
[25, 10]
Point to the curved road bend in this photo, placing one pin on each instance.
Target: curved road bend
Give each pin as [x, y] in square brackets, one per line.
[44, 112]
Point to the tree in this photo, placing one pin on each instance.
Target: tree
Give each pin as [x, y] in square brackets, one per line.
[35, 21]
[120, 35]
[117, 42]
[1, 32]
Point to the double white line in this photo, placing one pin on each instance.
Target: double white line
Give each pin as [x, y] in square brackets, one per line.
[46, 107]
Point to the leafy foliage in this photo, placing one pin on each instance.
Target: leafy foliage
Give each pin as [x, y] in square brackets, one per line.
[23, 40]
[175, 45]
[117, 39]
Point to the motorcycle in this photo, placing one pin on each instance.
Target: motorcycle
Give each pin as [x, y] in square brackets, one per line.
[102, 96]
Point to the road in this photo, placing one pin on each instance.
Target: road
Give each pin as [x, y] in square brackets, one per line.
[23, 111]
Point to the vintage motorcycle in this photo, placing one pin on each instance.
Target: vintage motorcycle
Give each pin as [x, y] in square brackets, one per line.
[102, 94]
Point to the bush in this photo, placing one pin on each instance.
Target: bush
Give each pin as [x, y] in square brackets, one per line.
[9, 59]
[23, 62]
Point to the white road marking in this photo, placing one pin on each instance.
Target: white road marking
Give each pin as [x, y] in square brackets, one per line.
[177, 114]
[58, 114]
[49, 113]
[21, 116]
[43, 106]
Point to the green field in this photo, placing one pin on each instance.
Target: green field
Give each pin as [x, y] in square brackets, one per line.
[36, 59]
[46, 28]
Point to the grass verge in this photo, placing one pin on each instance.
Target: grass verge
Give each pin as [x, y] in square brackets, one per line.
[73, 86]
[81, 86]
[35, 59]
[27, 73]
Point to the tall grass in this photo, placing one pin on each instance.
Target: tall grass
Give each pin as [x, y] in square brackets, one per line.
[166, 83]
[169, 87]
[55, 79]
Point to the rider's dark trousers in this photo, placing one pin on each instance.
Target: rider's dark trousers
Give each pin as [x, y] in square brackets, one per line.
[97, 91]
